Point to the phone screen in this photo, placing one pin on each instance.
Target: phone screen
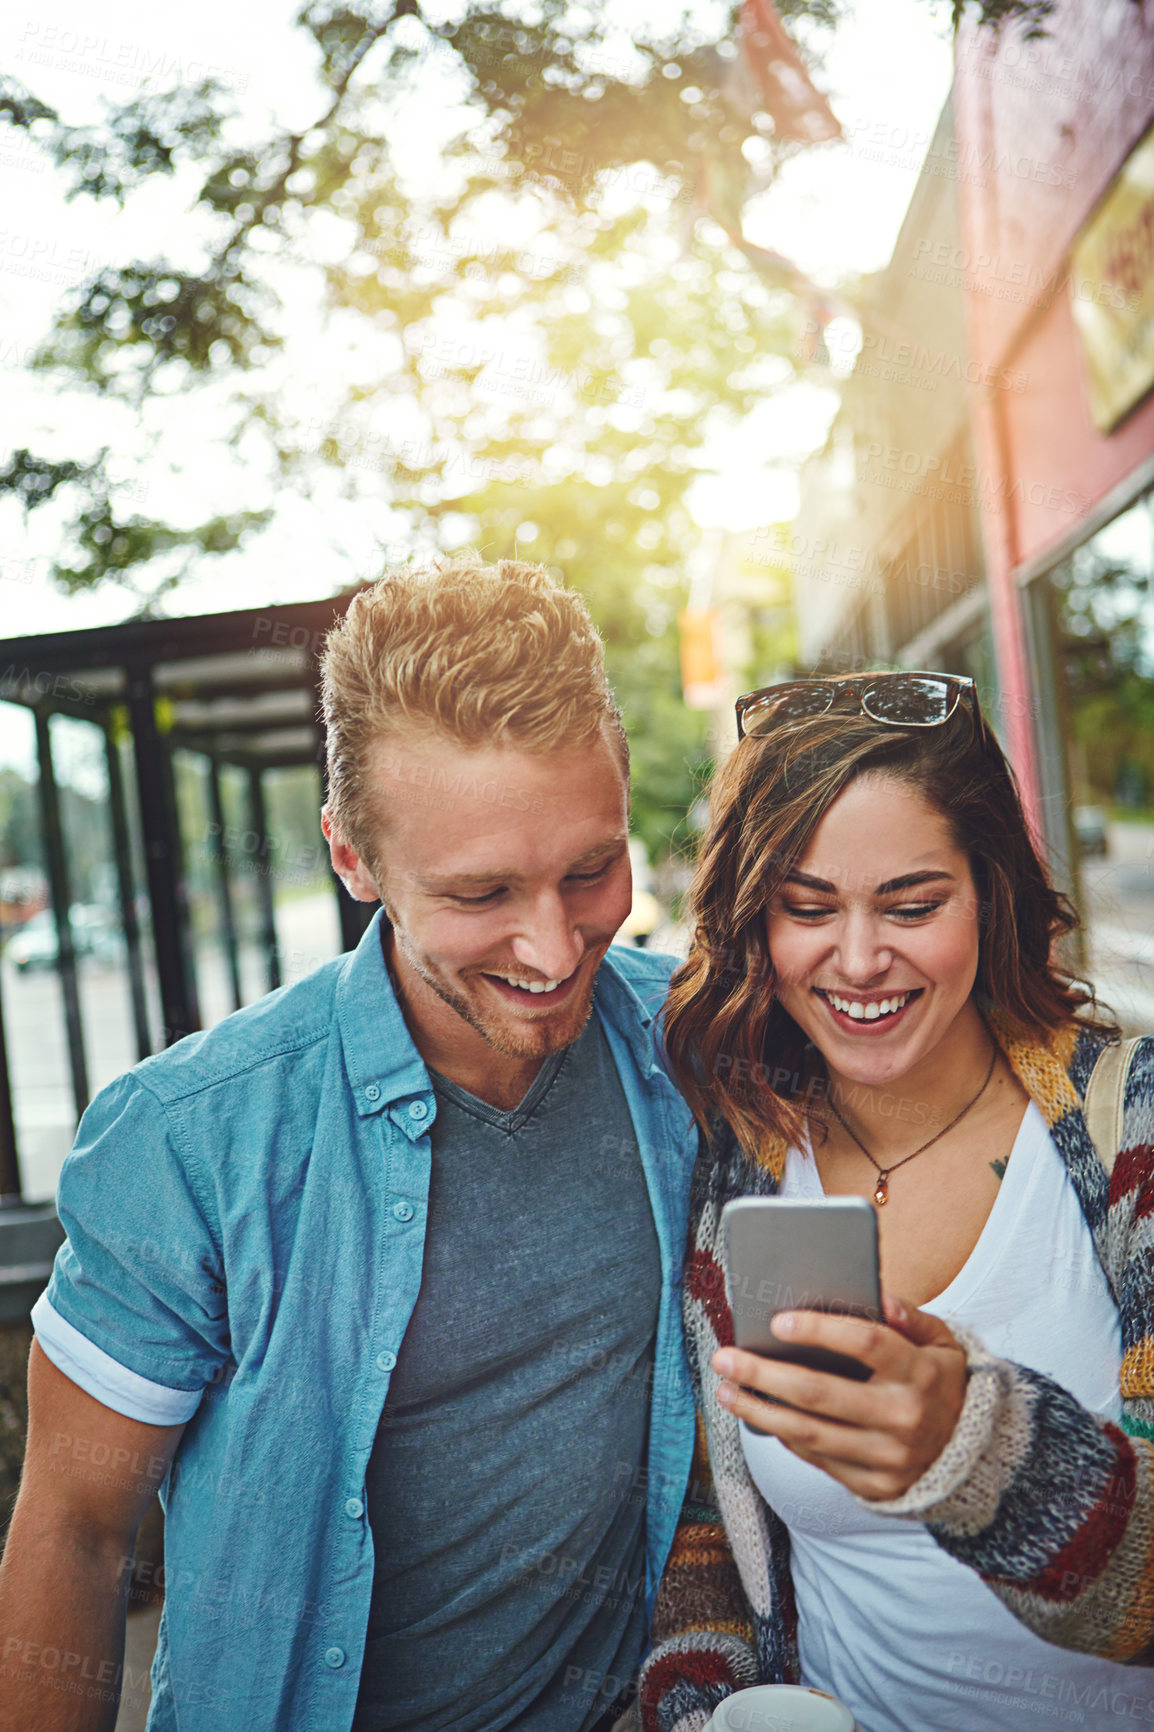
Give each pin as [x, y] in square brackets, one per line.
[800, 1254]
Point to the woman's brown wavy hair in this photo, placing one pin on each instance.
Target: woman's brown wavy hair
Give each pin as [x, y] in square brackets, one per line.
[732, 1047]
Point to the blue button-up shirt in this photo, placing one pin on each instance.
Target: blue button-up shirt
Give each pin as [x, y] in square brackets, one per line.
[245, 1218]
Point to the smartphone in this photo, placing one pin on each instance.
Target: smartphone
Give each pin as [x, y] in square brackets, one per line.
[800, 1254]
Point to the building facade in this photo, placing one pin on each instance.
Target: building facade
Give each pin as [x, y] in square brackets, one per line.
[992, 464]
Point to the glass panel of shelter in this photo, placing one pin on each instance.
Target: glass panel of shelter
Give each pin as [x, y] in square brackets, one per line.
[79, 982]
[307, 914]
[112, 1036]
[244, 831]
[259, 892]
[36, 1050]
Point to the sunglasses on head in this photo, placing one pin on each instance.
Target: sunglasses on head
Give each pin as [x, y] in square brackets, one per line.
[895, 700]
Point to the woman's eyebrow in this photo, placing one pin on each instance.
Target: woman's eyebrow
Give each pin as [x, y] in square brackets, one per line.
[810, 882]
[905, 882]
[909, 879]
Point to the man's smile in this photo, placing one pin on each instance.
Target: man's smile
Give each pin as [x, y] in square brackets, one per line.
[537, 994]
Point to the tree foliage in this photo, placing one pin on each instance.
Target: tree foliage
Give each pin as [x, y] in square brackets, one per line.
[541, 339]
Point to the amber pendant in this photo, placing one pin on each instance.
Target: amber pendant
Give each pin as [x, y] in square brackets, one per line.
[882, 1190]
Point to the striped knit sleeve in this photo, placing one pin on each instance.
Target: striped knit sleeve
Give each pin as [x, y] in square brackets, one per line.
[1051, 1504]
[702, 1627]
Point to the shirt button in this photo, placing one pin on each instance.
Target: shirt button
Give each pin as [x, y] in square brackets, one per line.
[403, 1211]
[386, 1360]
[372, 1093]
[354, 1508]
[418, 1110]
[334, 1657]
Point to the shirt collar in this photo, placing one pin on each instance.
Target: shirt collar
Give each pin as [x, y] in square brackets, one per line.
[382, 1064]
[630, 1014]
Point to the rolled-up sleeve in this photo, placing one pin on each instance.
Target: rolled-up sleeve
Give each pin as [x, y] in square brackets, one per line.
[136, 1310]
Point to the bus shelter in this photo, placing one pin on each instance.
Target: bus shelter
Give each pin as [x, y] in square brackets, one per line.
[193, 719]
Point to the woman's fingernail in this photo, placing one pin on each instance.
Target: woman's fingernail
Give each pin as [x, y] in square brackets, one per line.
[785, 1323]
[725, 1394]
[723, 1363]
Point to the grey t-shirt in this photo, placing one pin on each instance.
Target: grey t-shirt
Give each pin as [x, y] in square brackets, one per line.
[504, 1487]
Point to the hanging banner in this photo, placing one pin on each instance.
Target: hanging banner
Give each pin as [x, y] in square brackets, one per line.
[1112, 290]
[787, 92]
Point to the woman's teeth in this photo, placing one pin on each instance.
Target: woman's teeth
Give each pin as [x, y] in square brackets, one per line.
[868, 1012]
[532, 985]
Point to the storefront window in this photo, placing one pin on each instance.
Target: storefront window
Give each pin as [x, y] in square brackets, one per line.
[1103, 604]
[1107, 610]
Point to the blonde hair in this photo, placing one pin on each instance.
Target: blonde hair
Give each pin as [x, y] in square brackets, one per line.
[477, 654]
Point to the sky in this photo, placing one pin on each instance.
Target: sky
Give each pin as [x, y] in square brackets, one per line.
[835, 210]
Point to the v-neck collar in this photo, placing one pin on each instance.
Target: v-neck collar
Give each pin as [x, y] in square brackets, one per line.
[515, 1118]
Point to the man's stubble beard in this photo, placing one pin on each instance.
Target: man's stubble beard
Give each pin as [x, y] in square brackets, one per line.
[546, 1040]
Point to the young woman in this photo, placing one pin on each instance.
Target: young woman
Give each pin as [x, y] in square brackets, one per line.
[872, 1007]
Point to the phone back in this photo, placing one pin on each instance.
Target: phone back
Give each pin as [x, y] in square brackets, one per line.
[800, 1254]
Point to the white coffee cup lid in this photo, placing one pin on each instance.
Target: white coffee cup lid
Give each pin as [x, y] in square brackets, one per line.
[781, 1708]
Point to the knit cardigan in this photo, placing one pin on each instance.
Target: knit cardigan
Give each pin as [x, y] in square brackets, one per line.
[1052, 1505]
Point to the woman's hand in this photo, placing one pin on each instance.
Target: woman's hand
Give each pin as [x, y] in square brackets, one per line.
[876, 1438]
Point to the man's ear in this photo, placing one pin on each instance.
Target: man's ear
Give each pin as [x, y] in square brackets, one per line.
[347, 863]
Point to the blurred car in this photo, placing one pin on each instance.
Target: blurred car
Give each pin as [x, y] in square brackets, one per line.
[94, 933]
[1090, 830]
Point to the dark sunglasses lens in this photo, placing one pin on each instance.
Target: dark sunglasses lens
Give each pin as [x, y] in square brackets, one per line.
[788, 706]
[914, 701]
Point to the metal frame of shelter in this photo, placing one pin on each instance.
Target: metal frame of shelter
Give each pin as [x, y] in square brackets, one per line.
[239, 688]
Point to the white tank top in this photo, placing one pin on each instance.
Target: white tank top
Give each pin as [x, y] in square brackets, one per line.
[908, 1637]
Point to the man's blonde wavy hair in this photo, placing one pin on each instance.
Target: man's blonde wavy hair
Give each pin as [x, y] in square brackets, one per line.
[473, 653]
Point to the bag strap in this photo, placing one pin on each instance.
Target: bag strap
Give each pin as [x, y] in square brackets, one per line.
[1105, 1097]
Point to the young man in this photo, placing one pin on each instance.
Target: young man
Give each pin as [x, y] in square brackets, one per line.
[382, 1271]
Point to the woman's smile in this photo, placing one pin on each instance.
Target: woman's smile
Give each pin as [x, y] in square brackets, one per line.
[873, 1015]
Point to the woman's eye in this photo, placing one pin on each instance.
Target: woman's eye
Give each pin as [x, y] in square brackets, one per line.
[805, 910]
[914, 910]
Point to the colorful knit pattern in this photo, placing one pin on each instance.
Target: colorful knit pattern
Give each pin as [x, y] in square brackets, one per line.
[1052, 1505]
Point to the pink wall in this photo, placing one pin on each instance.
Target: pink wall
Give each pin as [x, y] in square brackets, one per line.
[1042, 129]
[1053, 444]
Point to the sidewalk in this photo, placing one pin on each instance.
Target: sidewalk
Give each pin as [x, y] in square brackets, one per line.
[1121, 966]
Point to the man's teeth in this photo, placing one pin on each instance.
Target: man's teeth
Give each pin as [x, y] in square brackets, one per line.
[867, 1012]
[532, 985]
